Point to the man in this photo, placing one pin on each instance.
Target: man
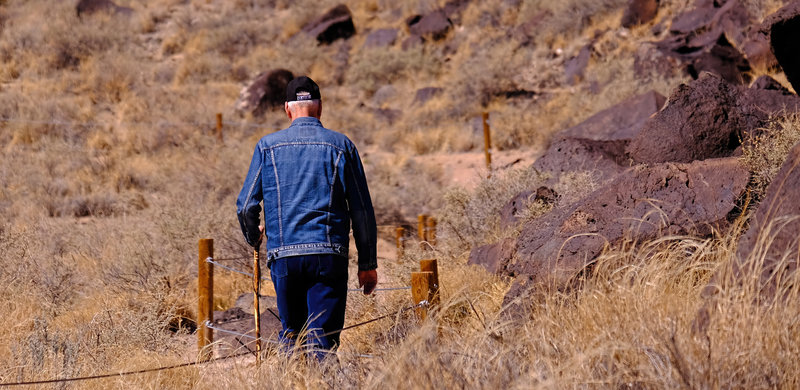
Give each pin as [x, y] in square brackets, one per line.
[312, 183]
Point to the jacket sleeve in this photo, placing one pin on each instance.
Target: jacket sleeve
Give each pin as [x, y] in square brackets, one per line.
[248, 204]
[362, 215]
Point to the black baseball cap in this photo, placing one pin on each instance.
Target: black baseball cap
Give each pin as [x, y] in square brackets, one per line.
[302, 88]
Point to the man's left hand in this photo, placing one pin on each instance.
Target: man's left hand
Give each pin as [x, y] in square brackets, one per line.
[368, 280]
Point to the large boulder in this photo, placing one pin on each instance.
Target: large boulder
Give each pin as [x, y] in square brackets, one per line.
[641, 203]
[598, 143]
[767, 251]
[434, 25]
[708, 118]
[605, 159]
[623, 121]
[491, 256]
[335, 24]
[88, 7]
[700, 121]
[639, 12]
[706, 38]
[266, 91]
[509, 214]
[575, 66]
[381, 38]
[783, 28]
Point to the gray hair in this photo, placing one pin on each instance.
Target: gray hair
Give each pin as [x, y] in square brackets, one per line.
[304, 104]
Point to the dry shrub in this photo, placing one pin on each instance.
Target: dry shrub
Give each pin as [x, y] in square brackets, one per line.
[566, 19]
[767, 151]
[371, 69]
[471, 219]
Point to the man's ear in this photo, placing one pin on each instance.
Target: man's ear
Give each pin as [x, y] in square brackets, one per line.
[319, 111]
[288, 111]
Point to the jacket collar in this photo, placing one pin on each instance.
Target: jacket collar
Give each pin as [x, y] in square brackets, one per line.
[306, 121]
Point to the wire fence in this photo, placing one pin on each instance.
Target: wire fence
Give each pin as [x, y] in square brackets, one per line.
[156, 123]
[216, 262]
[213, 360]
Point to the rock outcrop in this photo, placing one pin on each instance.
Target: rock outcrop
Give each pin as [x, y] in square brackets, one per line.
[770, 245]
[705, 39]
[335, 24]
[700, 121]
[381, 38]
[598, 143]
[639, 12]
[783, 28]
[88, 7]
[639, 204]
[708, 118]
[434, 25]
[266, 91]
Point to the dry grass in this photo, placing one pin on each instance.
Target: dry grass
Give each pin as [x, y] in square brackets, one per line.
[110, 173]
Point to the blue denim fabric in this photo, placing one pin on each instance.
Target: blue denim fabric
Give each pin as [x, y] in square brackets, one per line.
[311, 293]
[312, 184]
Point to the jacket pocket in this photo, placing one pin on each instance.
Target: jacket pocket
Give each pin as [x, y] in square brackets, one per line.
[332, 267]
[278, 268]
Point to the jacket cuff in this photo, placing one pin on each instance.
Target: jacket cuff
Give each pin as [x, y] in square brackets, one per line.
[367, 266]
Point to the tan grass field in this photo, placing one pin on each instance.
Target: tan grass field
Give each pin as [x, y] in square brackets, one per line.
[110, 172]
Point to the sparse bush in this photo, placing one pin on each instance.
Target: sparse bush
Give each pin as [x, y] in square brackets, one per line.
[765, 155]
[371, 69]
[471, 219]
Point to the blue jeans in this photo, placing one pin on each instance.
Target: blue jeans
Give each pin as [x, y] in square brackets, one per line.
[311, 292]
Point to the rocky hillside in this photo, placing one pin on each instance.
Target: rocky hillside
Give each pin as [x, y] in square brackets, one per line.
[638, 204]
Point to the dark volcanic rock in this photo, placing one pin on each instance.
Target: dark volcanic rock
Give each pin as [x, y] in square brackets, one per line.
[598, 144]
[334, 24]
[266, 91]
[575, 66]
[620, 122]
[605, 159]
[705, 39]
[491, 256]
[381, 38]
[509, 215]
[639, 204]
[650, 62]
[723, 59]
[764, 99]
[784, 30]
[639, 12]
[770, 84]
[756, 48]
[767, 252]
[412, 42]
[700, 121]
[88, 7]
[434, 25]
[424, 94]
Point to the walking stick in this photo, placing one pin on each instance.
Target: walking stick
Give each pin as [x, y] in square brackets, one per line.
[256, 310]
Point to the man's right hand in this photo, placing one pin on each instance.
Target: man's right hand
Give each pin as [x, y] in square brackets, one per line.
[261, 237]
[368, 280]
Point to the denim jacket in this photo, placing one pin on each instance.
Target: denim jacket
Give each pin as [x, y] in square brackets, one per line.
[312, 184]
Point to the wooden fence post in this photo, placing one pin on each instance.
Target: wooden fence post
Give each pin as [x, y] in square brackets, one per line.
[399, 238]
[256, 308]
[219, 127]
[430, 232]
[487, 141]
[421, 226]
[432, 266]
[205, 295]
[420, 291]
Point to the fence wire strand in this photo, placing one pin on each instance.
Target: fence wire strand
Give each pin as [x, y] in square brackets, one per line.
[188, 364]
[53, 122]
[216, 262]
